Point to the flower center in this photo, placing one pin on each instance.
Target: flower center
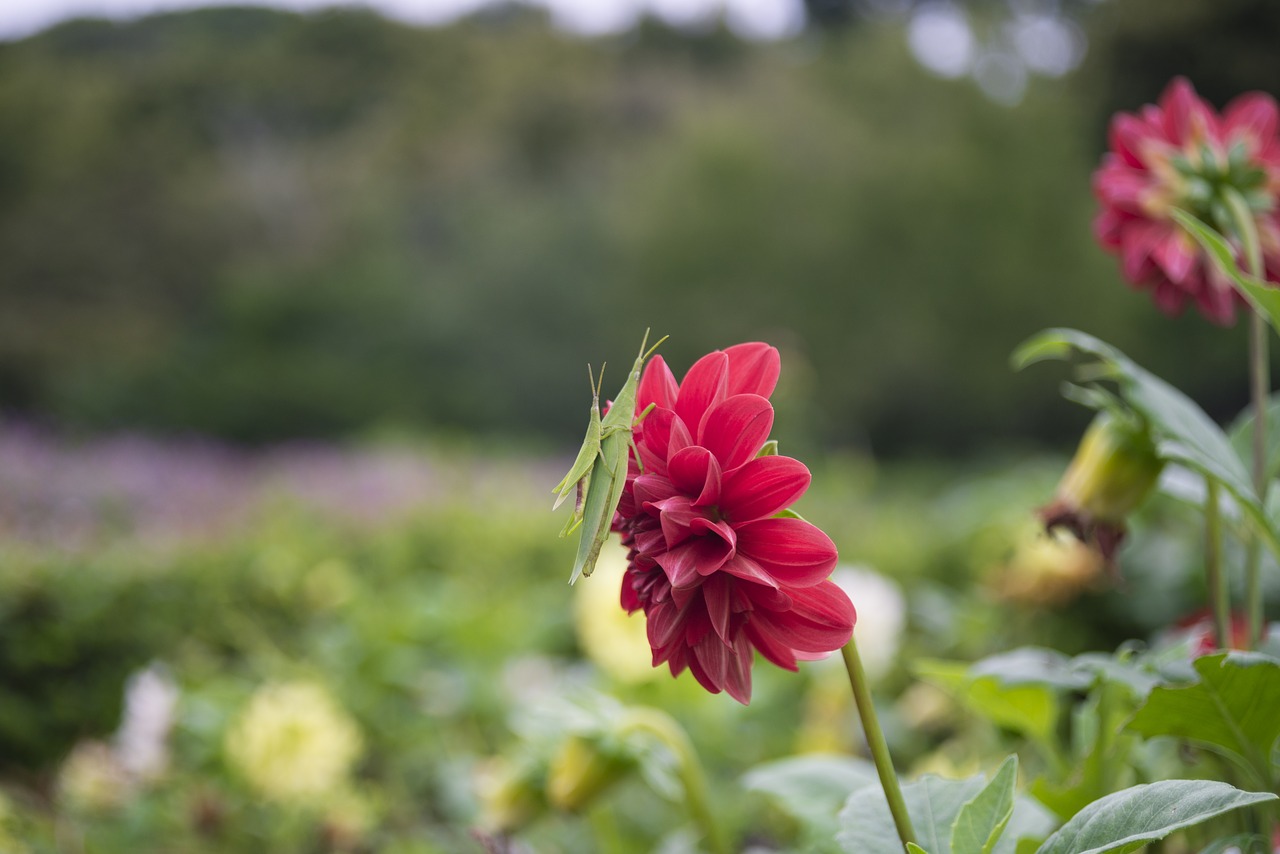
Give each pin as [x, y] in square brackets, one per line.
[1207, 177]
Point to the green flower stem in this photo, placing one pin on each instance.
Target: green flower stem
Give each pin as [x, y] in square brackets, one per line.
[665, 729]
[1215, 578]
[875, 741]
[1259, 374]
[1246, 229]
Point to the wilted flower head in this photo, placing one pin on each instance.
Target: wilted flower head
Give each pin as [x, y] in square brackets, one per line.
[294, 743]
[718, 567]
[1114, 470]
[1047, 569]
[1179, 153]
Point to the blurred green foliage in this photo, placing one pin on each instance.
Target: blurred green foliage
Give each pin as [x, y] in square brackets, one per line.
[438, 631]
[260, 224]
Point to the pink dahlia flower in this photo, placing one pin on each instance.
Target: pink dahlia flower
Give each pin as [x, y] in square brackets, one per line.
[718, 572]
[1179, 153]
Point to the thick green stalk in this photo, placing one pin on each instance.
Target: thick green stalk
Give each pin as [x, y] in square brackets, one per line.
[875, 741]
[1246, 229]
[1215, 578]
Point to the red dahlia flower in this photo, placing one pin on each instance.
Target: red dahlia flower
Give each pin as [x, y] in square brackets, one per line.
[718, 572]
[1181, 154]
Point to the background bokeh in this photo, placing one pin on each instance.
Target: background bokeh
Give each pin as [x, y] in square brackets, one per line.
[294, 316]
[258, 225]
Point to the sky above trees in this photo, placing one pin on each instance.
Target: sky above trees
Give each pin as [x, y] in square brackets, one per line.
[750, 18]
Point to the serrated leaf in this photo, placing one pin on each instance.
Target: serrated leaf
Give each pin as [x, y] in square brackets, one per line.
[1231, 710]
[1184, 433]
[981, 821]
[1127, 820]
[811, 789]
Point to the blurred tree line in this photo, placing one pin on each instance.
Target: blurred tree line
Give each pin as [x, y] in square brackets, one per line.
[259, 225]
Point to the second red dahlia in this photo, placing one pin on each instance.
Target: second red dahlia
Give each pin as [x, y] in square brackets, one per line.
[1180, 153]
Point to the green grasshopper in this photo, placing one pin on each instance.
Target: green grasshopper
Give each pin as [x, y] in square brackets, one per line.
[599, 474]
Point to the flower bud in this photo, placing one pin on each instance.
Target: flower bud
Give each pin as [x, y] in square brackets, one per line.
[1113, 471]
[580, 772]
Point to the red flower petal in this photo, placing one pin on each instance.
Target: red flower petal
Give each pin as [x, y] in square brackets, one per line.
[663, 624]
[717, 595]
[1252, 115]
[793, 551]
[654, 439]
[736, 429]
[723, 668]
[676, 514]
[657, 385]
[821, 620]
[753, 368]
[680, 437]
[652, 489]
[762, 487]
[695, 472]
[685, 564]
[1175, 253]
[1139, 241]
[704, 386]
[1186, 117]
[776, 652]
[1126, 136]
[741, 566]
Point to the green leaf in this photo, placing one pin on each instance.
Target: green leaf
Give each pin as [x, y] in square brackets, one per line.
[866, 825]
[1264, 298]
[812, 788]
[983, 819]
[1241, 435]
[1184, 433]
[1029, 708]
[1231, 710]
[912, 848]
[1030, 665]
[1244, 843]
[1117, 670]
[1127, 820]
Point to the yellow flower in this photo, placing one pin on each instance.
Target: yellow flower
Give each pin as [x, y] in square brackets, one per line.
[293, 743]
[613, 639]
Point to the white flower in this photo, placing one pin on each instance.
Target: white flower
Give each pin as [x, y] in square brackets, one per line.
[141, 742]
[882, 616]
